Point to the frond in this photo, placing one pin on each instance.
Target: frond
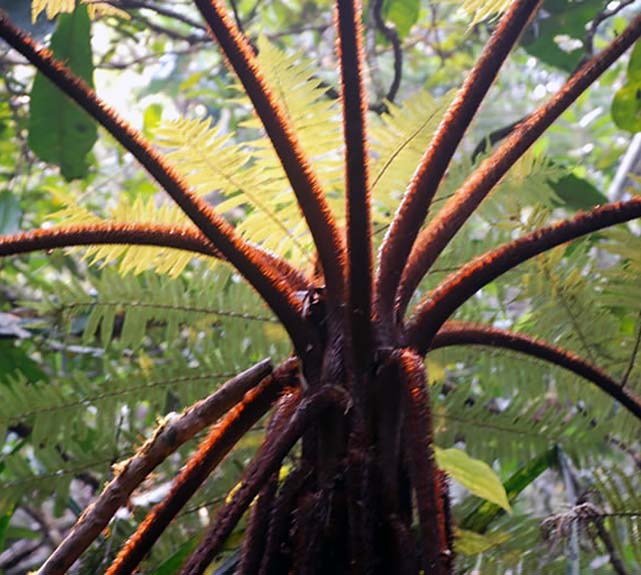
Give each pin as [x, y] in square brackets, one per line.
[617, 496]
[248, 175]
[481, 10]
[130, 258]
[54, 7]
[399, 139]
[131, 308]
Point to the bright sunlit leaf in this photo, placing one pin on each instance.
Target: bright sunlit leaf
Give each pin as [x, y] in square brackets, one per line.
[473, 474]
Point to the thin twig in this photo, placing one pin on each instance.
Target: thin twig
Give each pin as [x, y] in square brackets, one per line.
[392, 36]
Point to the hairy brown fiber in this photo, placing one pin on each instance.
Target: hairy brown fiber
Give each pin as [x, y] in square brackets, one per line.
[345, 480]
[300, 173]
[272, 287]
[435, 237]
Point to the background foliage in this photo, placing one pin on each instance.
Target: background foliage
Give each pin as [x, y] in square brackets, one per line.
[96, 346]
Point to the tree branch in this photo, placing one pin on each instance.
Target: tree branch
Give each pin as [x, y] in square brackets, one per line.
[304, 181]
[435, 237]
[357, 184]
[222, 235]
[462, 333]
[164, 441]
[455, 289]
[211, 451]
[264, 464]
[414, 207]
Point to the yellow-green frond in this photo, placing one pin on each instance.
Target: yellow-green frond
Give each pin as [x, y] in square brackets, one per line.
[54, 7]
[130, 258]
[399, 140]
[483, 9]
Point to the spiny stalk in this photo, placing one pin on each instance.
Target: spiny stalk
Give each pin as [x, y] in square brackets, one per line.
[357, 184]
[304, 181]
[436, 236]
[220, 233]
[413, 209]
[264, 464]
[222, 438]
[142, 234]
[439, 304]
[254, 543]
[420, 454]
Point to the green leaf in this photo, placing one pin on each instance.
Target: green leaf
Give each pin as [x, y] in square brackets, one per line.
[626, 107]
[480, 518]
[151, 119]
[10, 213]
[4, 525]
[626, 104]
[175, 561]
[13, 359]
[577, 193]
[402, 13]
[471, 543]
[634, 65]
[59, 131]
[557, 38]
[473, 474]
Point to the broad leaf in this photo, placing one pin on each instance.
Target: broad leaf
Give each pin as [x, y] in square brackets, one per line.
[485, 512]
[10, 213]
[471, 543]
[402, 13]
[473, 474]
[59, 131]
[626, 105]
[557, 38]
[577, 193]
